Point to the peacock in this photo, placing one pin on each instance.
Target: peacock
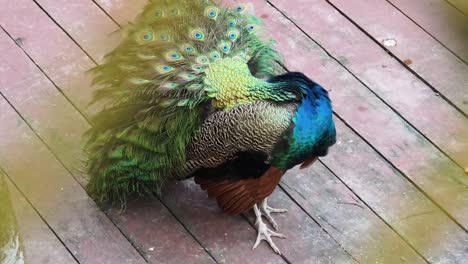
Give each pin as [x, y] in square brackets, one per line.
[193, 90]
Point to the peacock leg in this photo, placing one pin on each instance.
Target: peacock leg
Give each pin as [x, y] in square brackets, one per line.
[264, 233]
[267, 210]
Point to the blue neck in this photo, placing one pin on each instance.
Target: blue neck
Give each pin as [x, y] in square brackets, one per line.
[313, 130]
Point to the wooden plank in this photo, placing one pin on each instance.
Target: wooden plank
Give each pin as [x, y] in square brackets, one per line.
[432, 61]
[404, 147]
[230, 239]
[156, 233]
[421, 162]
[124, 9]
[63, 204]
[423, 224]
[408, 95]
[461, 5]
[77, 17]
[348, 219]
[64, 62]
[84, 23]
[38, 242]
[60, 126]
[443, 21]
[41, 104]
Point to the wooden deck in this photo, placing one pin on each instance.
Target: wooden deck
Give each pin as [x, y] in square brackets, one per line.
[394, 189]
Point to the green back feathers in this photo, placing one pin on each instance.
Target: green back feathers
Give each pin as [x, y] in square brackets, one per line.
[156, 84]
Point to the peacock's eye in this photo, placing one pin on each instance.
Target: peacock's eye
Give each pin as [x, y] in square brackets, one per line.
[232, 24]
[189, 49]
[175, 56]
[198, 35]
[240, 9]
[212, 14]
[164, 37]
[148, 36]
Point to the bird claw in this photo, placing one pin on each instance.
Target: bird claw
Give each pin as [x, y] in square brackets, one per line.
[267, 210]
[266, 234]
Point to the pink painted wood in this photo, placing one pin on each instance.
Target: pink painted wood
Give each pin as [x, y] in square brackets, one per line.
[346, 217]
[422, 223]
[430, 59]
[86, 231]
[122, 11]
[415, 101]
[441, 20]
[77, 17]
[64, 62]
[230, 239]
[77, 20]
[39, 242]
[53, 118]
[156, 233]
[380, 126]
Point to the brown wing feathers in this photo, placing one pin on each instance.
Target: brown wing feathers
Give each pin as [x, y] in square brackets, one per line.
[238, 196]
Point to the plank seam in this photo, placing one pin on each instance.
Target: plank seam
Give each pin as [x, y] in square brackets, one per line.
[63, 165]
[458, 9]
[315, 221]
[39, 214]
[401, 173]
[390, 53]
[58, 25]
[374, 93]
[46, 75]
[373, 211]
[427, 32]
[107, 14]
[154, 196]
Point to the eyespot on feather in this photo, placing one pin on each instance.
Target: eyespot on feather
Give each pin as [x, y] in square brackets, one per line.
[233, 34]
[252, 28]
[173, 56]
[214, 55]
[224, 47]
[202, 60]
[188, 48]
[163, 69]
[240, 8]
[197, 34]
[211, 12]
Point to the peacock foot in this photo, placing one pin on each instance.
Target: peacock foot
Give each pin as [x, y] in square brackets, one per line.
[264, 233]
[267, 210]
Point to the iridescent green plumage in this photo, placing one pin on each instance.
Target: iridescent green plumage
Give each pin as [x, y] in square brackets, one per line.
[178, 61]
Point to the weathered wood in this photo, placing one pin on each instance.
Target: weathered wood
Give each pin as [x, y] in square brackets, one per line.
[441, 20]
[346, 217]
[77, 17]
[370, 117]
[444, 71]
[85, 24]
[408, 95]
[51, 116]
[156, 233]
[230, 239]
[64, 61]
[123, 12]
[38, 242]
[424, 225]
[58, 124]
[421, 162]
[63, 204]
